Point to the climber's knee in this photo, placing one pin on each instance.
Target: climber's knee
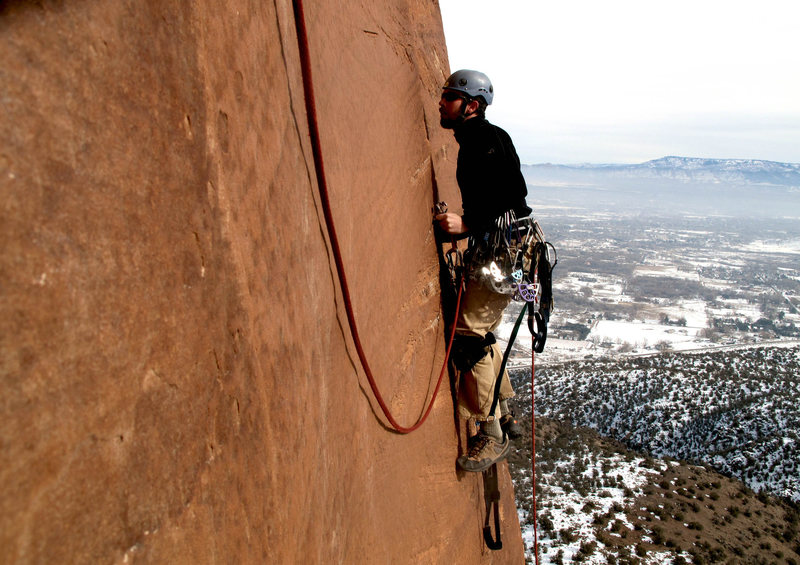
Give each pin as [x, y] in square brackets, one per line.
[469, 349]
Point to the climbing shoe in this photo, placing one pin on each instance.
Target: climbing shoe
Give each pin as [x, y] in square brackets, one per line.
[510, 426]
[483, 451]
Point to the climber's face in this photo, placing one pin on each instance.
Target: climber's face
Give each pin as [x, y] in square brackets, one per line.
[451, 108]
[455, 107]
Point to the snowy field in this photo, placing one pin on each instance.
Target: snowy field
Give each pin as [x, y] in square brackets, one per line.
[644, 336]
[618, 322]
[610, 337]
[790, 247]
[665, 270]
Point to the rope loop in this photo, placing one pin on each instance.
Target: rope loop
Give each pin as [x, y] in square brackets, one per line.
[311, 112]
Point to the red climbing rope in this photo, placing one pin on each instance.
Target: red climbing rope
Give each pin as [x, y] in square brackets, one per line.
[533, 461]
[305, 63]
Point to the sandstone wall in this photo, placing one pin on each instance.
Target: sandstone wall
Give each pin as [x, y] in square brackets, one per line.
[178, 380]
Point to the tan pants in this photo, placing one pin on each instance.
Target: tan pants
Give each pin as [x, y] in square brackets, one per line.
[481, 312]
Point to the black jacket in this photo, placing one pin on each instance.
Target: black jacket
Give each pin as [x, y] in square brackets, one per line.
[488, 175]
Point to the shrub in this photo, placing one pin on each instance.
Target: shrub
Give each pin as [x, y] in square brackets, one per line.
[716, 554]
[546, 523]
[587, 548]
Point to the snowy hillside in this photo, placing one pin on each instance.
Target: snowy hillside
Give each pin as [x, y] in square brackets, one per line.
[738, 411]
[724, 170]
[684, 255]
[600, 503]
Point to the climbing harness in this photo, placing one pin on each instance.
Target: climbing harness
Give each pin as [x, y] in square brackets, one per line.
[305, 64]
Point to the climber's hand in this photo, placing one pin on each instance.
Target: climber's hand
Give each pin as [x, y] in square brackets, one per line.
[451, 223]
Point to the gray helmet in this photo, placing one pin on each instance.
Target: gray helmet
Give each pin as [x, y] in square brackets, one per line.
[472, 83]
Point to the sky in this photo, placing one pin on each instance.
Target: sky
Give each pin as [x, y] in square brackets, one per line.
[627, 81]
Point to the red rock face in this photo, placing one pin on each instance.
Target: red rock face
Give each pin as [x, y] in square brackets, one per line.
[179, 384]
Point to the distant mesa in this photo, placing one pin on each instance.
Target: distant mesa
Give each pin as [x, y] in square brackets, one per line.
[671, 185]
[751, 171]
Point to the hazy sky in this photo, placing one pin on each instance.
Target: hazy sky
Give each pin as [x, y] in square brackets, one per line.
[626, 81]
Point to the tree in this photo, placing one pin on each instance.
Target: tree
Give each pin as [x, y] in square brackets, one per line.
[664, 346]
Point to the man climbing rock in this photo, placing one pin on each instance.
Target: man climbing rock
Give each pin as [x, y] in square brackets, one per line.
[492, 189]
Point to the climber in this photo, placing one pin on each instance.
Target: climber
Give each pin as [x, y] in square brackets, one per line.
[492, 187]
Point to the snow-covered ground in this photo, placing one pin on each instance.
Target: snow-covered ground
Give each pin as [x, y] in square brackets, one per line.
[665, 270]
[567, 511]
[644, 336]
[610, 337]
[761, 246]
[735, 308]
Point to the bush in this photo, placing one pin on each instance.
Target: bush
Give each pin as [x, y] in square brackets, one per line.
[716, 554]
[567, 535]
[587, 548]
[546, 523]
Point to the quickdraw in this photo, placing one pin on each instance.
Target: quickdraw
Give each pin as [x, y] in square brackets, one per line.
[454, 259]
[539, 315]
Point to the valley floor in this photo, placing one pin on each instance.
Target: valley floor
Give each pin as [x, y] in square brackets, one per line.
[691, 322]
